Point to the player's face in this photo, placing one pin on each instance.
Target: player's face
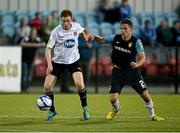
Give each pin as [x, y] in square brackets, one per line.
[126, 30]
[66, 22]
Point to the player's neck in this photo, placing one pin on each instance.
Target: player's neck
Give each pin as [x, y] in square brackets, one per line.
[126, 38]
[65, 28]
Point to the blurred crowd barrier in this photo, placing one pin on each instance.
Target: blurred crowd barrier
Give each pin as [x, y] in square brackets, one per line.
[159, 62]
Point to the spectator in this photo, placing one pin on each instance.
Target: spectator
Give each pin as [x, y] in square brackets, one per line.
[104, 5]
[107, 12]
[47, 29]
[164, 34]
[176, 33]
[36, 23]
[148, 34]
[54, 21]
[29, 47]
[22, 31]
[125, 10]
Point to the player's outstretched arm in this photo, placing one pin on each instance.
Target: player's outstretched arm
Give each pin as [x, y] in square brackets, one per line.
[90, 37]
[49, 61]
[84, 36]
[99, 39]
[87, 37]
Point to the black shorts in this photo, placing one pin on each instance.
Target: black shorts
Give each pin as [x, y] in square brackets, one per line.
[59, 68]
[132, 77]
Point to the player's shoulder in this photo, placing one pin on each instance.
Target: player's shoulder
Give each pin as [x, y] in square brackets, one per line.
[135, 39]
[76, 24]
[116, 36]
[56, 29]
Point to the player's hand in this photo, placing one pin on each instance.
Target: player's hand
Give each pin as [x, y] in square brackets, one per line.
[133, 64]
[90, 37]
[49, 69]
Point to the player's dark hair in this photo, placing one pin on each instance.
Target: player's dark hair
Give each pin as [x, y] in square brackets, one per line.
[66, 13]
[127, 21]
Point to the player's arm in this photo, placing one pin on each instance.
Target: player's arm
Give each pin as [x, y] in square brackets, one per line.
[48, 56]
[140, 57]
[99, 39]
[88, 38]
[139, 61]
[102, 40]
[85, 35]
[48, 52]
[83, 32]
[49, 60]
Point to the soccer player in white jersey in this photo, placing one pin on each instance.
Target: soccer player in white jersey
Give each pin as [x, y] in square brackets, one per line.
[62, 53]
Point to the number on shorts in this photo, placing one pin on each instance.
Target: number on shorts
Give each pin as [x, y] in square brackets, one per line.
[142, 84]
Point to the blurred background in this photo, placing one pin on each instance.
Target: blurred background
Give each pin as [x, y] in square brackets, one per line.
[30, 22]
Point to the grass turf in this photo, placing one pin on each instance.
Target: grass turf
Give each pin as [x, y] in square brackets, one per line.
[18, 112]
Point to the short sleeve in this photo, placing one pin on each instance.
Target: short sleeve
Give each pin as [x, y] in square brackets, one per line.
[109, 39]
[139, 46]
[79, 28]
[52, 40]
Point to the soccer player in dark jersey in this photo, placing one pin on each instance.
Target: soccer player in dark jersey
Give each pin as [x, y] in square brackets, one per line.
[127, 56]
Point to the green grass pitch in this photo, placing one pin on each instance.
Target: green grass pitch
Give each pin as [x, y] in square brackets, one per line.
[18, 112]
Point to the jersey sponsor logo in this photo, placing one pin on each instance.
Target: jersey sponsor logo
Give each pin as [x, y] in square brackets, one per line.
[122, 49]
[69, 43]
